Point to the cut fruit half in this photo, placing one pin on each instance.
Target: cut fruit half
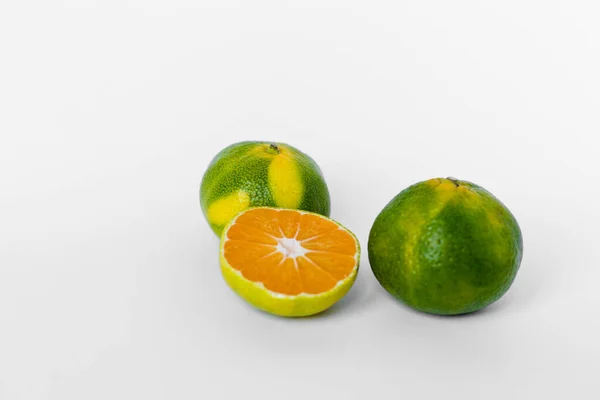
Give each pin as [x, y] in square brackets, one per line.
[288, 262]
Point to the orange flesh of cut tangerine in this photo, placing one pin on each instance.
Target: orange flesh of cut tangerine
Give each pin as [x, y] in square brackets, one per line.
[290, 252]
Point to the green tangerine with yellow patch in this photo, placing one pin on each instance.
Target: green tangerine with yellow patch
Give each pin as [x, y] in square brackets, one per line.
[445, 246]
[261, 174]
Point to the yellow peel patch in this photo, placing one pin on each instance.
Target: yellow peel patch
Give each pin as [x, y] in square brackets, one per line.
[494, 218]
[261, 150]
[285, 182]
[223, 210]
[433, 182]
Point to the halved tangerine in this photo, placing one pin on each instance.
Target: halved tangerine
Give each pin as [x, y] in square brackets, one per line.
[288, 262]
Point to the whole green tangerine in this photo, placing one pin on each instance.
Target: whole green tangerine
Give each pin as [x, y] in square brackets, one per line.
[445, 246]
[258, 174]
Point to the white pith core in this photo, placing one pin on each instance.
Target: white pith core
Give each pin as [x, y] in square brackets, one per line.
[290, 247]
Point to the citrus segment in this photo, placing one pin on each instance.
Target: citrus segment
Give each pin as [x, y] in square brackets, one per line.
[288, 262]
[241, 253]
[336, 241]
[251, 234]
[289, 222]
[336, 265]
[316, 279]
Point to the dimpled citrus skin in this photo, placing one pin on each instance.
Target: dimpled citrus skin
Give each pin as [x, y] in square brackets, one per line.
[256, 174]
[445, 246]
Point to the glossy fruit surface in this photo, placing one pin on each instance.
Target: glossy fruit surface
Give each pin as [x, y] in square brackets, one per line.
[253, 174]
[445, 246]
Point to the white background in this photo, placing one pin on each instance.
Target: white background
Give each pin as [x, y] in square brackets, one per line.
[110, 112]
